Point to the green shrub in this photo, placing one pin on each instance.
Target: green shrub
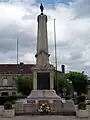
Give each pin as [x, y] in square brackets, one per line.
[82, 105]
[80, 99]
[4, 99]
[13, 102]
[7, 105]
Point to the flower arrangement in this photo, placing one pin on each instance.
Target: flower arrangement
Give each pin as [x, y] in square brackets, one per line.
[44, 108]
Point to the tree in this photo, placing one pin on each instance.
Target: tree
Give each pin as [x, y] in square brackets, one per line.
[79, 81]
[62, 83]
[24, 84]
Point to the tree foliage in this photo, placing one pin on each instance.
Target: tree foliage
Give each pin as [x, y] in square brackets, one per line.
[79, 81]
[63, 84]
[24, 84]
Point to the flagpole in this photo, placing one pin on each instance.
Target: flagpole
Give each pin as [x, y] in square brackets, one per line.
[55, 54]
[17, 50]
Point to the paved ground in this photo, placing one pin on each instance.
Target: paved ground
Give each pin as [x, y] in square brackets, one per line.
[54, 117]
[44, 118]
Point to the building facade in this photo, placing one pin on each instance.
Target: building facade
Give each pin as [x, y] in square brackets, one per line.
[8, 74]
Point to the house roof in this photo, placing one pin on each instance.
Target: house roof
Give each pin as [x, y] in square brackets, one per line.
[16, 69]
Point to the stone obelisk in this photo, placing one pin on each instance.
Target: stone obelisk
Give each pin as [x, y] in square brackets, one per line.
[43, 73]
[42, 56]
[43, 91]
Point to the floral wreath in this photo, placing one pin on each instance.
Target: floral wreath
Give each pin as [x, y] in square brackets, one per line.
[44, 108]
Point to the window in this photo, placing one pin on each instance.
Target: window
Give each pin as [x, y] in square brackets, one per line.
[13, 93]
[4, 94]
[14, 83]
[5, 82]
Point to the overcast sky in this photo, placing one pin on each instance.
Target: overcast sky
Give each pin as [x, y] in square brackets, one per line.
[19, 18]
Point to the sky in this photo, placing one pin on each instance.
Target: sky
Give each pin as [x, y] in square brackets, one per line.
[53, 2]
[18, 18]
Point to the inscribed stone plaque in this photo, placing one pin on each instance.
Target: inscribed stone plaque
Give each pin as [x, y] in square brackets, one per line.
[31, 101]
[43, 80]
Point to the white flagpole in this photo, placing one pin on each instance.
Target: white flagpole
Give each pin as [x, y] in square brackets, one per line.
[55, 53]
[17, 50]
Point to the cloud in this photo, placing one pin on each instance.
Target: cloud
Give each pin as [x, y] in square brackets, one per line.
[78, 5]
[18, 18]
[29, 58]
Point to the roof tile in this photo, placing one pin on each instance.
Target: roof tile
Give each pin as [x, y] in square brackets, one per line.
[14, 68]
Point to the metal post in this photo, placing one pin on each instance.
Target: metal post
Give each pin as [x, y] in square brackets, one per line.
[17, 51]
[55, 54]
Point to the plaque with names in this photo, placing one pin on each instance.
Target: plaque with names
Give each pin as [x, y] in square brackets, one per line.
[43, 81]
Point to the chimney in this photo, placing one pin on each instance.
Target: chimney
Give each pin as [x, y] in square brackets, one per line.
[21, 66]
[63, 68]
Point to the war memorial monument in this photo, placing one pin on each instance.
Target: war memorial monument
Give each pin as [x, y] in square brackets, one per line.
[43, 83]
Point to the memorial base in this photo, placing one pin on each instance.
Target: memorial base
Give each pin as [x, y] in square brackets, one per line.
[42, 95]
[37, 97]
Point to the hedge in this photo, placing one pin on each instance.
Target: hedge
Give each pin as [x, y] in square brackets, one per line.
[4, 99]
